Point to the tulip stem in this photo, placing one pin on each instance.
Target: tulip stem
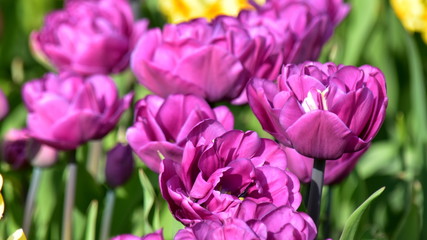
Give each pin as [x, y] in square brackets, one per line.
[95, 152]
[135, 4]
[70, 192]
[315, 191]
[107, 214]
[29, 204]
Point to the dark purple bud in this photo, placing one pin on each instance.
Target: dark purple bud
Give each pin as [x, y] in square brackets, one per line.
[119, 165]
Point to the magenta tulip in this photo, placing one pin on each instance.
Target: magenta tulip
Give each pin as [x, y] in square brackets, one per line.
[119, 165]
[20, 150]
[322, 110]
[231, 228]
[162, 125]
[217, 174]
[67, 110]
[89, 37]
[212, 60]
[157, 235]
[297, 28]
[282, 222]
[4, 106]
[254, 221]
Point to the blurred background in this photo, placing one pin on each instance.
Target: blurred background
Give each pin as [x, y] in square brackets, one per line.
[371, 34]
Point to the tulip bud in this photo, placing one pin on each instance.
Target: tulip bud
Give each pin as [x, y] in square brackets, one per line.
[119, 165]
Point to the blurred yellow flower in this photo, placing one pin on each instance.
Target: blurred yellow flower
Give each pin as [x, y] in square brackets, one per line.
[1, 198]
[18, 235]
[412, 14]
[183, 10]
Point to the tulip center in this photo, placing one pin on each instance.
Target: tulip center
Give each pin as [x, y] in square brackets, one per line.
[316, 100]
[238, 193]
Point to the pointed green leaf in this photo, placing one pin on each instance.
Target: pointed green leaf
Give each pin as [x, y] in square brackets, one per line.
[352, 222]
[149, 195]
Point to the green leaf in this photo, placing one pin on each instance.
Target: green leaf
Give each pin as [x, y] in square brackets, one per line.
[91, 224]
[169, 224]
[352, 222]
[360, 24]
[410, 224]
[148, 196]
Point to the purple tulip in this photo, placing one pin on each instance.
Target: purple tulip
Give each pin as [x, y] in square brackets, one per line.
[157, 235]
[119, 165]
[89, 37]
[335, 170]
[4, 107]
[67, 110]
[254, 221]
[162, 125]
[322, 110]
[20, 150]
[297, 28]
[217, 174]
[281, 222]
[212, 60]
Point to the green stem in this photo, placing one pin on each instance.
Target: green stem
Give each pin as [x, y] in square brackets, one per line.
[136, 6]
[29, 204]
[107, 214]
[67, 218]
[315, 192]
[94, 156]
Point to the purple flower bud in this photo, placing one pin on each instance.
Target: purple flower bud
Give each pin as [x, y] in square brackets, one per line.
[20, 150]
[321, 110]
[157, 235]
[162, 125]
[4, 107]
[67, 110]
[119, 165]
[215, 177]
[89, 37]
[212, 60]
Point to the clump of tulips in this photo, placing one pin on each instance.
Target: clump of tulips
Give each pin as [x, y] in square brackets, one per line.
[218, 181]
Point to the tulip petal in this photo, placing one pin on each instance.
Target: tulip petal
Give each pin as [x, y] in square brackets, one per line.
[218, 81]
[301, 85]
[224, 116]
[76, 127]
[152, 153]
[205, 132]
[321, 134]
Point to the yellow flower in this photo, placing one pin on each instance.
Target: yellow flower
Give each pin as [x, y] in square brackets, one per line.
[18, 235]
[1, 198]
[183, 10]
[412, 14]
